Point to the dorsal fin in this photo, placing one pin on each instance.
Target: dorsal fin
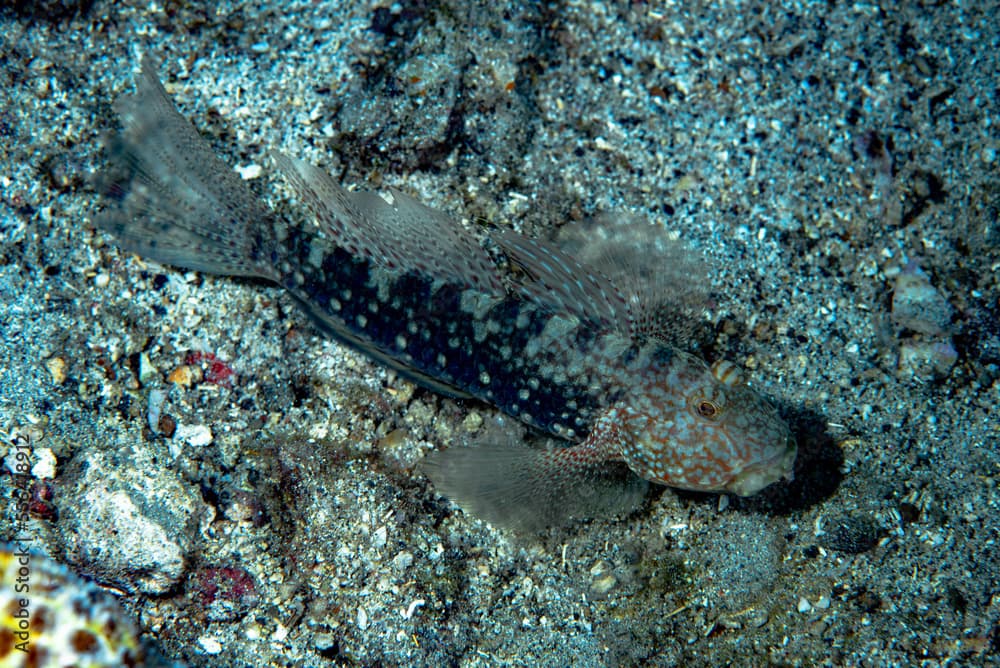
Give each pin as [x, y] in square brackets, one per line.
[626, 276]
[404, 234]
[622, 276]
[663, 282]
[558, 282]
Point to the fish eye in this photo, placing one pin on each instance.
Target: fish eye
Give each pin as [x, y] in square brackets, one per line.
[708, 409]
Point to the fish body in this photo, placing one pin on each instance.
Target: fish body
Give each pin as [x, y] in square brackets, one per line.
[498, 317]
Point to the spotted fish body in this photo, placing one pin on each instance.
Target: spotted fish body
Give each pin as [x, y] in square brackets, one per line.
[498, 317]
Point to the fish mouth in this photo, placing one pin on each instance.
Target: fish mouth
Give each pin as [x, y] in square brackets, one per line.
[759, 475]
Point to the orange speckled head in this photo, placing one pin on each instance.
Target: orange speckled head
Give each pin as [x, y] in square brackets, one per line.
[700, 428]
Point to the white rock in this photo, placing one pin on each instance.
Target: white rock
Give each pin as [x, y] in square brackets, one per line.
[410, 609]
[146, 369]
[250, 172]
[210, 645]
[402, 560]
[195, 434]
[380, 538]
[45, 464]
[918, 305]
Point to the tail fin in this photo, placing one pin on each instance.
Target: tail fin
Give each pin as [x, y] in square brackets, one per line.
[171, 199]
[531, 489]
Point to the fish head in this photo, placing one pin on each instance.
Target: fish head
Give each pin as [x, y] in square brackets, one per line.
[701, 428]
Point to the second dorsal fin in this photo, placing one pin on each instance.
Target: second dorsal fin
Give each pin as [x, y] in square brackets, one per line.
[555, 280]
[623, 275]
[404, 234]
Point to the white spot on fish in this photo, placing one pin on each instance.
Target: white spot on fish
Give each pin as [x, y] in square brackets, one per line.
[316, 255]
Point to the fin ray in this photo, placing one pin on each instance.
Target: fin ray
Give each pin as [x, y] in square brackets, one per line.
[664, 283]
[531, 489]
[557, 281]
[404, 234]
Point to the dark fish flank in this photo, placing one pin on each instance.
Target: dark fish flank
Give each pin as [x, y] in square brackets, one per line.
[578, 351]
[542, 368]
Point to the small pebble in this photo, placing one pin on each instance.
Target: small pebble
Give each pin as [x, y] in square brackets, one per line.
[918, 305]
[412, 607]
[42, 88]
[402, 561]
[45, 464]
[57, 369]
[926, 359]
[166, 425]
[210, 645]
[253, 631]
[757, 619]
[602, 585]
[239, 512]
[155, 407]
[249, 172]
[184, 375]
[604, 579]
[196, 434]
[394, 438]
[851, 534]
[147, 371]
[472, 422]
[380, 537]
